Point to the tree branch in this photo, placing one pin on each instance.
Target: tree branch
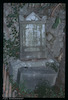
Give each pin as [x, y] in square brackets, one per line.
[55, 9]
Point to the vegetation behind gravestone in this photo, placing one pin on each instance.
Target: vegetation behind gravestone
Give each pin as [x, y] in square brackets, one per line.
[11, 46]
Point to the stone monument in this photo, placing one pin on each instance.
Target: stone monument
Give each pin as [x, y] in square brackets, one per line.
[32, 37]
[32, 67]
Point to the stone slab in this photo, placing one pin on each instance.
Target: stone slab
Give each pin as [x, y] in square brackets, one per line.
[14, 65]
[31, 77]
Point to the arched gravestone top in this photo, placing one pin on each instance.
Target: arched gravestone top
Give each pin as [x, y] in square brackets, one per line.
[32, 37]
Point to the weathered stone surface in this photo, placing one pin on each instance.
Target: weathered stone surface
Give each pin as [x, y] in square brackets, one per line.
[32, 33]
[16, 64]
[31, 77]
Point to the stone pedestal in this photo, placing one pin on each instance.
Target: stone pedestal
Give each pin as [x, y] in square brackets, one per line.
[33, 72]
[33, 76]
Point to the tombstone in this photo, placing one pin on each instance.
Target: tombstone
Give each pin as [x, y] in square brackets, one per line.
[32, 65]
[32, 37]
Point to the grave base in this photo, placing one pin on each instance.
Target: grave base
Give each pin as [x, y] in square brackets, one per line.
[33, 76]
[33, 72]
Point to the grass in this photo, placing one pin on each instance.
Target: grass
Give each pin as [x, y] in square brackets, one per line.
[44, 91]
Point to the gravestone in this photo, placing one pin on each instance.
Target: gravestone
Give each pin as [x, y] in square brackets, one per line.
[32, 37]
[32, 65]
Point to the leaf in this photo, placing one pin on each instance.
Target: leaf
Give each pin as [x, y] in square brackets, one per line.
[9, 25]
[57, 21]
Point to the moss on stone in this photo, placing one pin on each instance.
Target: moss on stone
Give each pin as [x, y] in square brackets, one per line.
[52, 65]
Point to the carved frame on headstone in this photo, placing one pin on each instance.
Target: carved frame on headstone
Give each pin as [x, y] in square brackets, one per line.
[40, 51]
